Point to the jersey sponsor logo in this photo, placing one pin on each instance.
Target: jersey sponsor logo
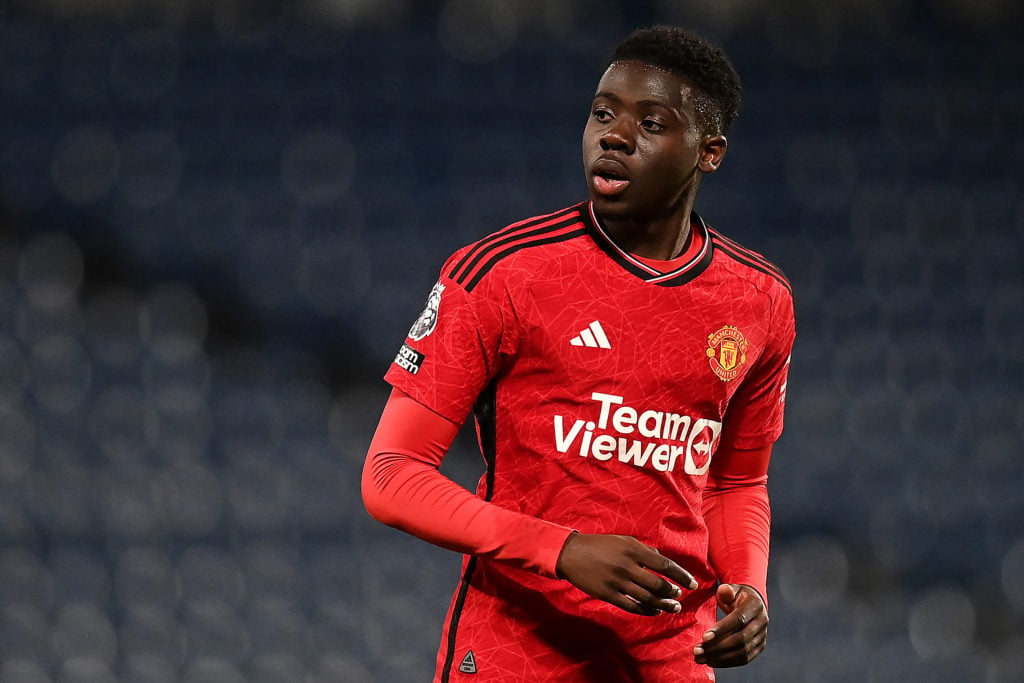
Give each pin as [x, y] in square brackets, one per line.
[727, 352]
[668, 438]
[409, 359]
[427, 321]
[592, 336]
[468, 663]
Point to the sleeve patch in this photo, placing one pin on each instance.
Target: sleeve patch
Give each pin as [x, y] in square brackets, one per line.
[409, 359]
[427, 321]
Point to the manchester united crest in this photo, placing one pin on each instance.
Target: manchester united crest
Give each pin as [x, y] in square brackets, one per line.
[727, 352]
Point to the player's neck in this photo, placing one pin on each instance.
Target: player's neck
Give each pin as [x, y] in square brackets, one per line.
[693, 247]
[662, 236]
[658, 240]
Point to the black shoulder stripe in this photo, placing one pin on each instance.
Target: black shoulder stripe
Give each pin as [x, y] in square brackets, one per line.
[468, 268]
[497, 256]
[740, 249]
[488, 241]
[755, 264]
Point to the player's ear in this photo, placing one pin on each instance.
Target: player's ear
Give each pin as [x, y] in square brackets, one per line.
[712, 152]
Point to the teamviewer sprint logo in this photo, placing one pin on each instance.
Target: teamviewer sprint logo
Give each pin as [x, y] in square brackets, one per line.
[643, 438]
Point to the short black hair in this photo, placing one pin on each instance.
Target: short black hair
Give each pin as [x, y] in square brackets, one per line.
[704, 65]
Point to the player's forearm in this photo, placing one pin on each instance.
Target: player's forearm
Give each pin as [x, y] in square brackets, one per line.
[403, 487]
[739, 523]
[415, 497]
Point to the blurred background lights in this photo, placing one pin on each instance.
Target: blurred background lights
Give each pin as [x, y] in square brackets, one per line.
[144, 65]
[179, 390]
[317, 167]
[25, 579]
[151, 168]
[258, 493]
[210, 669]
[1007, 662]
[150, 632]
[126, 495]
[61, 373]
[1002, 320]
[26, 634]
[13, 372]
[334, 276]
[145, 575]
[814, 573]
[85, 164]
[822, 170]
[216, 630]
[17, 445]
[112, 317]
[150, 669]
[85, 670]
[1012, 575]
[477, 31]
[190, 499]
[83, 632]
[50, 270]
[24, 51]
[174, 322]
[123, 424]
[942, 623]
[17, 670]
[83, 72]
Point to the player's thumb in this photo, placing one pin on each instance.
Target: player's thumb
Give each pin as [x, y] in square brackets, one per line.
[726, 594]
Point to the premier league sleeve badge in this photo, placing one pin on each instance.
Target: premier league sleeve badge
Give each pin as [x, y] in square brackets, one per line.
[427, 320]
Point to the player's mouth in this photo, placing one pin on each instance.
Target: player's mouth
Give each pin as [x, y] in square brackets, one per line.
[608, 177]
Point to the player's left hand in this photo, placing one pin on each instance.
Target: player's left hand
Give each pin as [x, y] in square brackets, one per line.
[740, 636]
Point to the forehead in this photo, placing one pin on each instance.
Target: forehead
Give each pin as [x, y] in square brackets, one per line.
[640, 81]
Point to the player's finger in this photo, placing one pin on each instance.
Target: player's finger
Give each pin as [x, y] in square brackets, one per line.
[657, 585]
[733, 650]
[656, 562]
[642, 595]
[629, 604]
[733, 623]
[726, 640]
[741, 604]
[726, 595]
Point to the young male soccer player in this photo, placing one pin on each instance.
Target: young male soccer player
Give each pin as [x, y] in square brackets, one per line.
[626, 366]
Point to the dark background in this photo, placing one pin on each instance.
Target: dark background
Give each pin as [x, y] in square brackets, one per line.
[218, 219]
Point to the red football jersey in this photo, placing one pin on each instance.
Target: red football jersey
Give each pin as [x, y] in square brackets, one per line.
[602, 389]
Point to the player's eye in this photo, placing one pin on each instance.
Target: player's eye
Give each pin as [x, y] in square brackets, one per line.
[652, 126]
[601, 114]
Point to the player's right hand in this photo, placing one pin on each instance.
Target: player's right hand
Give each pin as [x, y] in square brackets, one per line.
[625, 572]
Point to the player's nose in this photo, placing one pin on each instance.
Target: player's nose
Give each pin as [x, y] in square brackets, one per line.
[617, 136]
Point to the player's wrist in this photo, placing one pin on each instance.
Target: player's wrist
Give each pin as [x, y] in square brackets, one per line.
[753, 590]
[561, 554]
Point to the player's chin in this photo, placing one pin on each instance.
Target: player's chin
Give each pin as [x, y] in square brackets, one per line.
[611, 208]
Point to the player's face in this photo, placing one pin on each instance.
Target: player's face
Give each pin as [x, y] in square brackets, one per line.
[643, 149]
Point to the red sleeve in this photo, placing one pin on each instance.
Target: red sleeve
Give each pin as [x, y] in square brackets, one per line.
[738, 516]
[754, 417]
[457, 344]
[403, 487]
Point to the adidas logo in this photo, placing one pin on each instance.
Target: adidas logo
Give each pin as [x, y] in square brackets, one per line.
[468, 664]
[592, 336]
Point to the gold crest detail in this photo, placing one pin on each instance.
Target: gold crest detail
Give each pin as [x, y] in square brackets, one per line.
[727, 352]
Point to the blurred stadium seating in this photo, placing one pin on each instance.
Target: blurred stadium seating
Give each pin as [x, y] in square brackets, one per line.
[214, 231]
